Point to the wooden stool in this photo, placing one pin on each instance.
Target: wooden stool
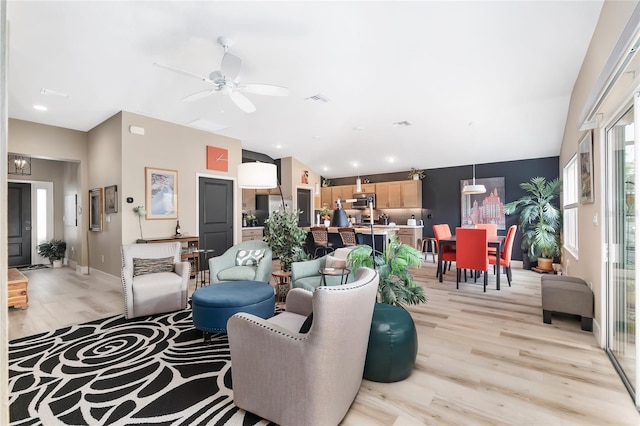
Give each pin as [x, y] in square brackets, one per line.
[17, 284]
[434, 249]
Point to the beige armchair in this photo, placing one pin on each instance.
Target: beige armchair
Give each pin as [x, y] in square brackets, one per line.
[154, 279]
[294, 378]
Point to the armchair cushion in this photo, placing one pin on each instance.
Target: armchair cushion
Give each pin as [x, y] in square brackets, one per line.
[334, 262]
[150, 266]
[306, 325]
[249, 257]
[237, 273]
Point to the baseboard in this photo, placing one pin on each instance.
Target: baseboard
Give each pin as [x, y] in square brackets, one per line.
[105, 276]
[597, 332]
[83, 270]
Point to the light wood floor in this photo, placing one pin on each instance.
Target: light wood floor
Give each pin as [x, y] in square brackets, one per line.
[482, 359]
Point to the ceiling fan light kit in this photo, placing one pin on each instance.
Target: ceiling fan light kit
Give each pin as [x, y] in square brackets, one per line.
[226, 81]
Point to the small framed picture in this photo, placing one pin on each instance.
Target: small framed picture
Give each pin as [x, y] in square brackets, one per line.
[585, 158]
[111, 199]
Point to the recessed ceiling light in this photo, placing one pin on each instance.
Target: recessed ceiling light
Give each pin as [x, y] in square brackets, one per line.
[278, 146]
[390, 159]
[358, 128]
[40, 107]
[325, 168]
[316, 137]
[355, 164]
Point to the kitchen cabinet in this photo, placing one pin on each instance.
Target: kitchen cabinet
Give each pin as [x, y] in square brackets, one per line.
[251, 234]
[399, 195]
[411, 237]
[367, 188]
[248, 199]
[325, 197]
[345, 192]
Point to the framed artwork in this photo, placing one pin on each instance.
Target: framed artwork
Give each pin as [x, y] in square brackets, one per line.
[585, 158]
[217, 159]
[483, 208]
[304, 178]
[95, 210]
[111, 199]
[161, 193]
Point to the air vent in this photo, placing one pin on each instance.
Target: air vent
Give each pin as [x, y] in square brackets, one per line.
[401, 124]
[320, 98]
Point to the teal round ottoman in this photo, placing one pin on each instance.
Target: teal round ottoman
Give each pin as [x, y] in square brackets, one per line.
[213, 305]
[393, 345]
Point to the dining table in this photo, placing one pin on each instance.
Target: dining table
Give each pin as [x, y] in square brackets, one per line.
[494, 241]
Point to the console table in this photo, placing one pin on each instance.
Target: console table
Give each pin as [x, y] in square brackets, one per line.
[190, 246]
[17, 289]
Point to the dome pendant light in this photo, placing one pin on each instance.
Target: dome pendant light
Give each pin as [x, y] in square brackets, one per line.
[474, 189]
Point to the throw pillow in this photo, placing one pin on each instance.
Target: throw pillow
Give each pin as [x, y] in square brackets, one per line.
[334, 262]
[151, 266]
[249, 257]
[306, 325]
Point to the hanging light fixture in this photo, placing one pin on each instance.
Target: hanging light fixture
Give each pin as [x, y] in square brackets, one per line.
[257, 175]
[19, 165]
[358, 183]
[474, 189]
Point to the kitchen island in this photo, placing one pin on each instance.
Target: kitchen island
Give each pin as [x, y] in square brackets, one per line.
[381, 235]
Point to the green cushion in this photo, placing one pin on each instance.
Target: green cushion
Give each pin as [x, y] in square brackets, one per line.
[151, 266]
[237, 273]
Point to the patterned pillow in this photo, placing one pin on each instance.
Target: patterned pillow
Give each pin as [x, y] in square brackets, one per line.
[150, 266]
[334, 262]
[249, 257]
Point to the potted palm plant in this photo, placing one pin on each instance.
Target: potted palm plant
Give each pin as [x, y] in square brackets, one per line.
[540, 220]
[285, 237]
[53, 250]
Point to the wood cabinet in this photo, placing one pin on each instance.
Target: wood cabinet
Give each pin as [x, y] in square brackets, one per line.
[399, 195]
[325, 197]
[252, 234]
[190, 245]
[411, 237]
[345, 192]
[248, 199]
[367, 188]
[17, 284]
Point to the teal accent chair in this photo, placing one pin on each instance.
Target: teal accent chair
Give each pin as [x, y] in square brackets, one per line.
[223, 268]
[305, 274]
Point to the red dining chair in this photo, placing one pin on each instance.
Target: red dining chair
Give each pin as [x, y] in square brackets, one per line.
[492, 231]
[471, 252]
[505, 256]
[448, 253]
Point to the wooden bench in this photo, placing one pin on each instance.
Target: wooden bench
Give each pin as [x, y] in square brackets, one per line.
[17, 294]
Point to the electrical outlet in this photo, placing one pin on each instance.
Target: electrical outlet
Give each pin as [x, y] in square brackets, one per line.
[102, 257]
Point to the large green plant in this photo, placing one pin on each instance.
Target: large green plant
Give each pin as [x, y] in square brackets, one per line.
[52, 249]
[285, 237]
[540, 218]
[396, 283]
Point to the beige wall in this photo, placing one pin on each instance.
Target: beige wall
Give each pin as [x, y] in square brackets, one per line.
[291, 175]
[590, 265]
[44, 142]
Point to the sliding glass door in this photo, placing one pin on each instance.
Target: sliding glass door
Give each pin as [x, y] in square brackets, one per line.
[621, 238]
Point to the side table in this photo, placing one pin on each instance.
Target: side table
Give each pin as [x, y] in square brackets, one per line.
[283, 283]
[343, 273]
[203, 263]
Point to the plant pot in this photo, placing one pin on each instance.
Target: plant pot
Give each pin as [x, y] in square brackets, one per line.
[545, 264]
[57, 263]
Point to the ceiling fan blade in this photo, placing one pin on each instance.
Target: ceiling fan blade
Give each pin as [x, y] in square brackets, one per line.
[264, 89]
[230, 66]
[242, 102]
[198, 95]
[181, 71]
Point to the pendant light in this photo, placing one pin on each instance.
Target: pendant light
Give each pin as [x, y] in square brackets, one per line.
[474, 189]
[358, 183]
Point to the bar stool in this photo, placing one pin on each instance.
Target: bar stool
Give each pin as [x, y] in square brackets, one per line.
[431, 241]
[348, 237]
[321, 241]
[203, 264]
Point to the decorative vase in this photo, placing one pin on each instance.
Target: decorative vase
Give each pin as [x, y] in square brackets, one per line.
[327, 223]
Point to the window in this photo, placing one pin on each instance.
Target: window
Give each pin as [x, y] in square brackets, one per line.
[570, 205]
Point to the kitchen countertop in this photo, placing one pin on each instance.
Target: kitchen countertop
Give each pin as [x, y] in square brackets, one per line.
[377, 229]
[253, 227]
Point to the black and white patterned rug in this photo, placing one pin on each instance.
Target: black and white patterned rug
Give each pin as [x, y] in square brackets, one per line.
[154, 370]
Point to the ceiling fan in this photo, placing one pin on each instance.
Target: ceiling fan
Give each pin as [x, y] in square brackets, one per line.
[226, 81]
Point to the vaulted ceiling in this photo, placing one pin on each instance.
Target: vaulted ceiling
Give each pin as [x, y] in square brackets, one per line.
[478, 82]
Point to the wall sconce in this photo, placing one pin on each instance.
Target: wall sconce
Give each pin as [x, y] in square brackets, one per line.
[317, 189]
[19, 165]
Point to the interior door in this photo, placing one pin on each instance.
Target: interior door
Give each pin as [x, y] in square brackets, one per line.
[303, 197]
[19, 224]
[216, 214]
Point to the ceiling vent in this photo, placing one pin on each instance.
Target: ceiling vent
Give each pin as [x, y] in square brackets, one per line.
[401, 124]
[320, 98]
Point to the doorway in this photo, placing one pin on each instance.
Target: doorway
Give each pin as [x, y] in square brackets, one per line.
[19, 224]
[215, 218]
[620, 236]
[303, 201]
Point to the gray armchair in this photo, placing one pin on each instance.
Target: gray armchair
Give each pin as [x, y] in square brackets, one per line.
[294, 378]
[305, 274]
[154, 279]
[224, 268]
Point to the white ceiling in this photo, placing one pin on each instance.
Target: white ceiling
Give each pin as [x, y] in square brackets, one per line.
[507, 67]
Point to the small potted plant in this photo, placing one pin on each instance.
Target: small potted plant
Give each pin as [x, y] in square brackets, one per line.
[416, 174]
[325, 213]
[53, 250]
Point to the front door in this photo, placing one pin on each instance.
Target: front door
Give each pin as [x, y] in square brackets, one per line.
[216, 214]
[19, 224]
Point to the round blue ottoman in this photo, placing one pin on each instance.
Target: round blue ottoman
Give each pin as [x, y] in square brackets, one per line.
[213, 305]
[393, 345]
